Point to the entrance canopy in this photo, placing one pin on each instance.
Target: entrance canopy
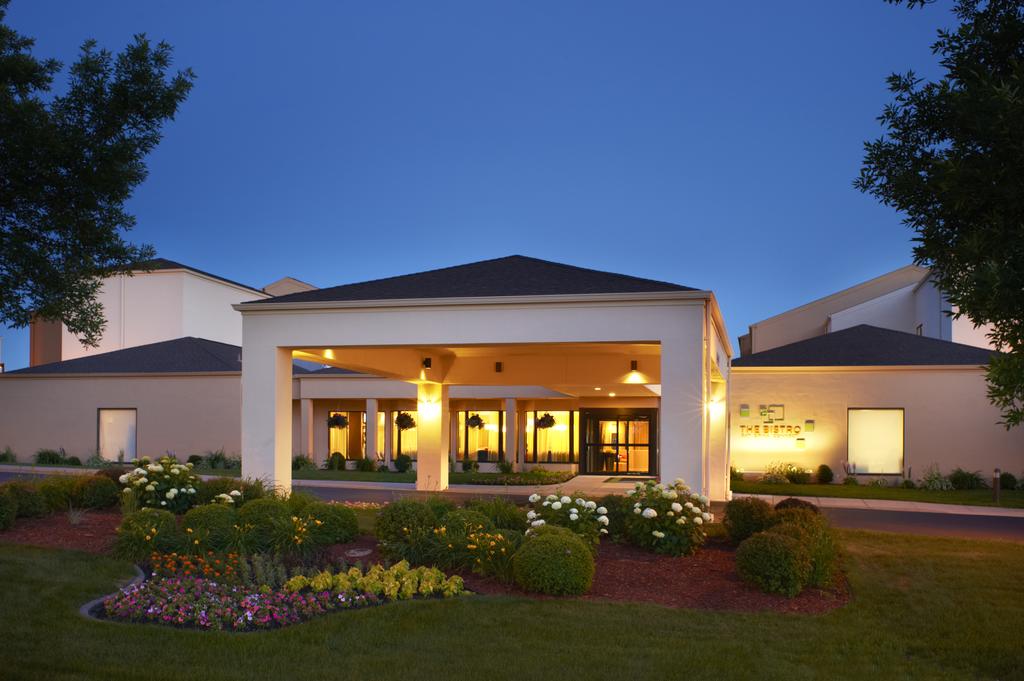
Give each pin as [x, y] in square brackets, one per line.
[577, 332]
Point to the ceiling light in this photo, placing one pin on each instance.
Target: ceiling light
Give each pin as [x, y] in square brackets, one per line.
[596, 388]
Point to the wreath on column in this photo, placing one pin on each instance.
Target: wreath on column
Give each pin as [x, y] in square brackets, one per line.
[405, 421]
[337, 421]
[546, 421]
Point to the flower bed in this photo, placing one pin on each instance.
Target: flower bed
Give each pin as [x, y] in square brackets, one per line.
[183, 592]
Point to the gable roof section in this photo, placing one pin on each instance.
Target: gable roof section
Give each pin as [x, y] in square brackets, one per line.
[181, 355]
[866, 345]
[159, 264]
[514, 275]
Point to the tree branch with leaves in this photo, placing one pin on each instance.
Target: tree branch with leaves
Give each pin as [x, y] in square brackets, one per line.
[68, 164]
[952, 161]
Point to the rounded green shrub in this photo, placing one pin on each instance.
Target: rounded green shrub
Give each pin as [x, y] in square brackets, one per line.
[467, 520]
[554, 563]
[551, 530]
[814, 532]
[825, 474]
[298, 501]
[97, 491]
[195, 459]
[31, 503]
[260, 522]
[403, 462]
[8, 510]
[775, 562]
[747, 516]
[792, 502]
[1007, 480]
[73, 461]
[210, 527]
[404, 518]
[145, 531]
[338, 524]
[503, 513]
[440, 506]
[59, 491]
[207, 490]
[50, 457]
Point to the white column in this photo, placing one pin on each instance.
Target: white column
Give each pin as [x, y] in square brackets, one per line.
[511, 433]
[432, 437]
[306, 418]
[389, 418]
[267, 415]
[681, 422]
[371, 429]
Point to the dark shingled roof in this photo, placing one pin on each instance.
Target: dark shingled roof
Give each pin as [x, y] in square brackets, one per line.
[866, 345]
[515, 275]
[181, 355]
[157, 264]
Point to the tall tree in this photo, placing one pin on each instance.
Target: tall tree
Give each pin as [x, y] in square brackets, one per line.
[952, 161]
[68, 164]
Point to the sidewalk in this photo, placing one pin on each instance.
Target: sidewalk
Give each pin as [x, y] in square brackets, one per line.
[903, 506]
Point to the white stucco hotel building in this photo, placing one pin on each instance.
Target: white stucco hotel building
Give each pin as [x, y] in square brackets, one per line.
[515, 359]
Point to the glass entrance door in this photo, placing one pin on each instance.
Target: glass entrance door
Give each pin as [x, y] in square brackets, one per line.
[619, 441]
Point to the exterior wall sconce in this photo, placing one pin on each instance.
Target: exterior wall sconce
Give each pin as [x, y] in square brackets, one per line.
[633, 365]
[498, 366]
[427, 362]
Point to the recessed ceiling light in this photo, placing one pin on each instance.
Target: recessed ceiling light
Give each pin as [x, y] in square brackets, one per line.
[611, 394]
[596, 388]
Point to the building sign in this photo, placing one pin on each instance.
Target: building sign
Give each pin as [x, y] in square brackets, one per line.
[770, 430]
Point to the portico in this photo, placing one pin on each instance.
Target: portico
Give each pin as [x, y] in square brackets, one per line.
[597, 340]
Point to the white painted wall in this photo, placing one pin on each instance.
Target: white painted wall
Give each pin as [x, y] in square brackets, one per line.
[930, 308]
[150, 307]
[894, 310]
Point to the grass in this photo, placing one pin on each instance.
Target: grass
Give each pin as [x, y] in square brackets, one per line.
[966, 497]
[923, 608]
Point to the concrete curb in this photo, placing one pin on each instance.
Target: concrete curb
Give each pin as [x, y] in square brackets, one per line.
[894, 505]
[85, 610]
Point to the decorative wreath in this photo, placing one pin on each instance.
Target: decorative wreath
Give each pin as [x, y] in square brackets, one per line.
[405, 421]
[337, 421]
[546, 421]
[474, 421]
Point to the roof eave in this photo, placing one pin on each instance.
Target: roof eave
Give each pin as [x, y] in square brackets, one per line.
[653, 296]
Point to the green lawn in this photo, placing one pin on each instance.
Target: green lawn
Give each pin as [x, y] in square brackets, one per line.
[968, 497]
[923, 608]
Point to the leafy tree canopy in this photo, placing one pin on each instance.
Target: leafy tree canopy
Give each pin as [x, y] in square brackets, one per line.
[952, 161]
[68, 163]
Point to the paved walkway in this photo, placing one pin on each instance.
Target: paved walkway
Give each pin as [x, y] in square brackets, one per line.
[868, 514]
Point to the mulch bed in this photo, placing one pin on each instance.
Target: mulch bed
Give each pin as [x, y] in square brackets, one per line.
[706, 580]
[95, 532]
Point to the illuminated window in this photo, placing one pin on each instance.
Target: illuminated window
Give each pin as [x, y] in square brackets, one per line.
[116, 437]
[382, 423]
[404, 440]
[348, 440]
[480, 434]
[875, 445]
[551, 436]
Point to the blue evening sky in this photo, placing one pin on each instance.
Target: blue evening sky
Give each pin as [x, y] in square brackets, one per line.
[708, 144]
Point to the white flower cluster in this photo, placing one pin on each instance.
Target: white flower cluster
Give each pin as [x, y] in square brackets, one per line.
[675, 501]
[564, 510]
[163, 483]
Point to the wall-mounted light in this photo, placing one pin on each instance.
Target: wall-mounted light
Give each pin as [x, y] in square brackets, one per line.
[611, 394]
[498, 366]
[427, 362]
[633, 365]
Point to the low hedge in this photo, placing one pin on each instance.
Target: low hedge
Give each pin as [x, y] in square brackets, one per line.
[746, 517]
[31, 503]
[8, 510]
[59, 491]
[145, 531]
[96, 491]
[503, 513]
[402, 519]
[211, 527]
[338, 524]
[556, 563]
[776, 562]
[793, 502]
[261, 521]
[208, 490]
